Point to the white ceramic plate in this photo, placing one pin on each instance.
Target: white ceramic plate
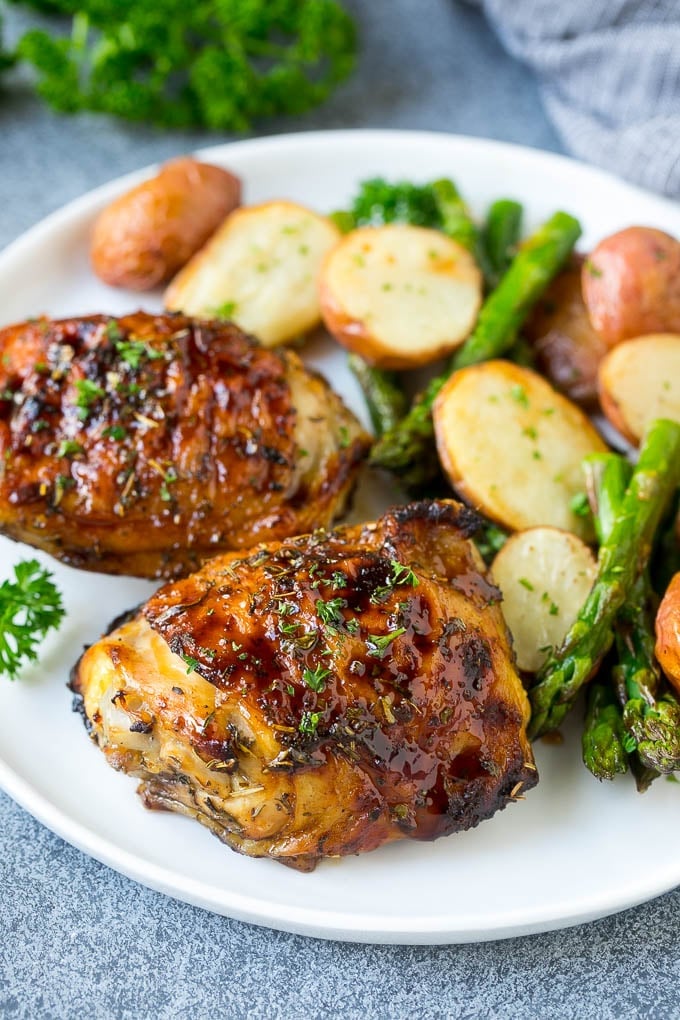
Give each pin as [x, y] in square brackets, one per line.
[569, 853]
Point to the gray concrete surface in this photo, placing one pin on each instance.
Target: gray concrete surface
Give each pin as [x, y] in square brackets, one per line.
[78, 940]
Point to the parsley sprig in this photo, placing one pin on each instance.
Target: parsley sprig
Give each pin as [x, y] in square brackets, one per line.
[30, 606]
[220, 66]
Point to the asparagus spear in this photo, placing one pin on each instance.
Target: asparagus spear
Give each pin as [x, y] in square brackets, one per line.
[622, 557]
[384, 395]
[651, 724]
[607, 476]
[501, 234]
[602, 741]
[402, 449]
[455, 215]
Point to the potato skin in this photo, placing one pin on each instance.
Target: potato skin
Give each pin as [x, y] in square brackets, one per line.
[567, 348]
[668, 633]
[146, 235]
[631, 284]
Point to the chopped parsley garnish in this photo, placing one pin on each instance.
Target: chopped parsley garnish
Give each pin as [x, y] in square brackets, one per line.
[116, 432]
[329, 612]
[30, 606]
[69, 448]
[343, 434]
[315, 679]
[402, 574]
[169, 477]
[132, 352]
[225, 310]
[579, 505]
[593, 270]
[526, 583]
[113, 331]
[87, 393]
[191, 663]
[309, 722]
[353, 626]
[61, 484]
[378, 644]
[519, 395]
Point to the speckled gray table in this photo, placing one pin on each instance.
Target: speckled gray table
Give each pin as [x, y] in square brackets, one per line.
[78, 940]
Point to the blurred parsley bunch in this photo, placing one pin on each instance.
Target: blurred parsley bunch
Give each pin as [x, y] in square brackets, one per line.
[220, 64]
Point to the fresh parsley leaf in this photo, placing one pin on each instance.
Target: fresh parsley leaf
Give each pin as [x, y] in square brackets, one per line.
[30, 606]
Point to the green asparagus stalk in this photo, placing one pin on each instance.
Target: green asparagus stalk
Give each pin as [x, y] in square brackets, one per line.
[384, 394]
[458, 224]
[651, 724]
[621, 559]
[607, 476]
[403, 448]
[455, 215]
[500, 236]
[603, 735]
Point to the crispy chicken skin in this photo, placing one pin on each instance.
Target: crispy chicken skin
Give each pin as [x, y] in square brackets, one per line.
[144, 444]
[321, 696]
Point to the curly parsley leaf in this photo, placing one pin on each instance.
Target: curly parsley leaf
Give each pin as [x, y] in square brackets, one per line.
[30, 606]
[220, 65]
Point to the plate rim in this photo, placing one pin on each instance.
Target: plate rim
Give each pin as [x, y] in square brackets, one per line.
[404, 929]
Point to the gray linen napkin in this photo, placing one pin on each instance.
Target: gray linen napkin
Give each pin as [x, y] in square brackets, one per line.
[609, 72]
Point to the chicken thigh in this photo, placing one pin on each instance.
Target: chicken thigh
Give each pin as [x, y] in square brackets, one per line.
[320, 696]
[144, 444]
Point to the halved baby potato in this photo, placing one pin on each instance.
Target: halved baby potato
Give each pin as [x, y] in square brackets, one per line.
[545, 576]
[400, 296]
[512, 446]
[260, 270]
[668, 633]
[639, 381]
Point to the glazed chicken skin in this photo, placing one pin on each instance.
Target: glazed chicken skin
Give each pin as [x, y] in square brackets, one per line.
[321, 696]
[144, 444]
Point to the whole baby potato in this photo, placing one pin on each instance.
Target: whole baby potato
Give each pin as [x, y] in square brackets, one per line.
[631, 284]
[147, 234]
[567, 348]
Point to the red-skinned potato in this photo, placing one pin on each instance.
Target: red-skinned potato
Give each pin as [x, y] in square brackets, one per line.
[567, 348]
[631, 284]
[147, 234]
[668, 633]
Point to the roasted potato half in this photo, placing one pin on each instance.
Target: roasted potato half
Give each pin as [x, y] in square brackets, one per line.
[631, 284]
[400, 296]
[512, 446]
[260, 270]
[545, 575]
[567, 348]
[146, 235]
[668, 633]
[639, 381]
